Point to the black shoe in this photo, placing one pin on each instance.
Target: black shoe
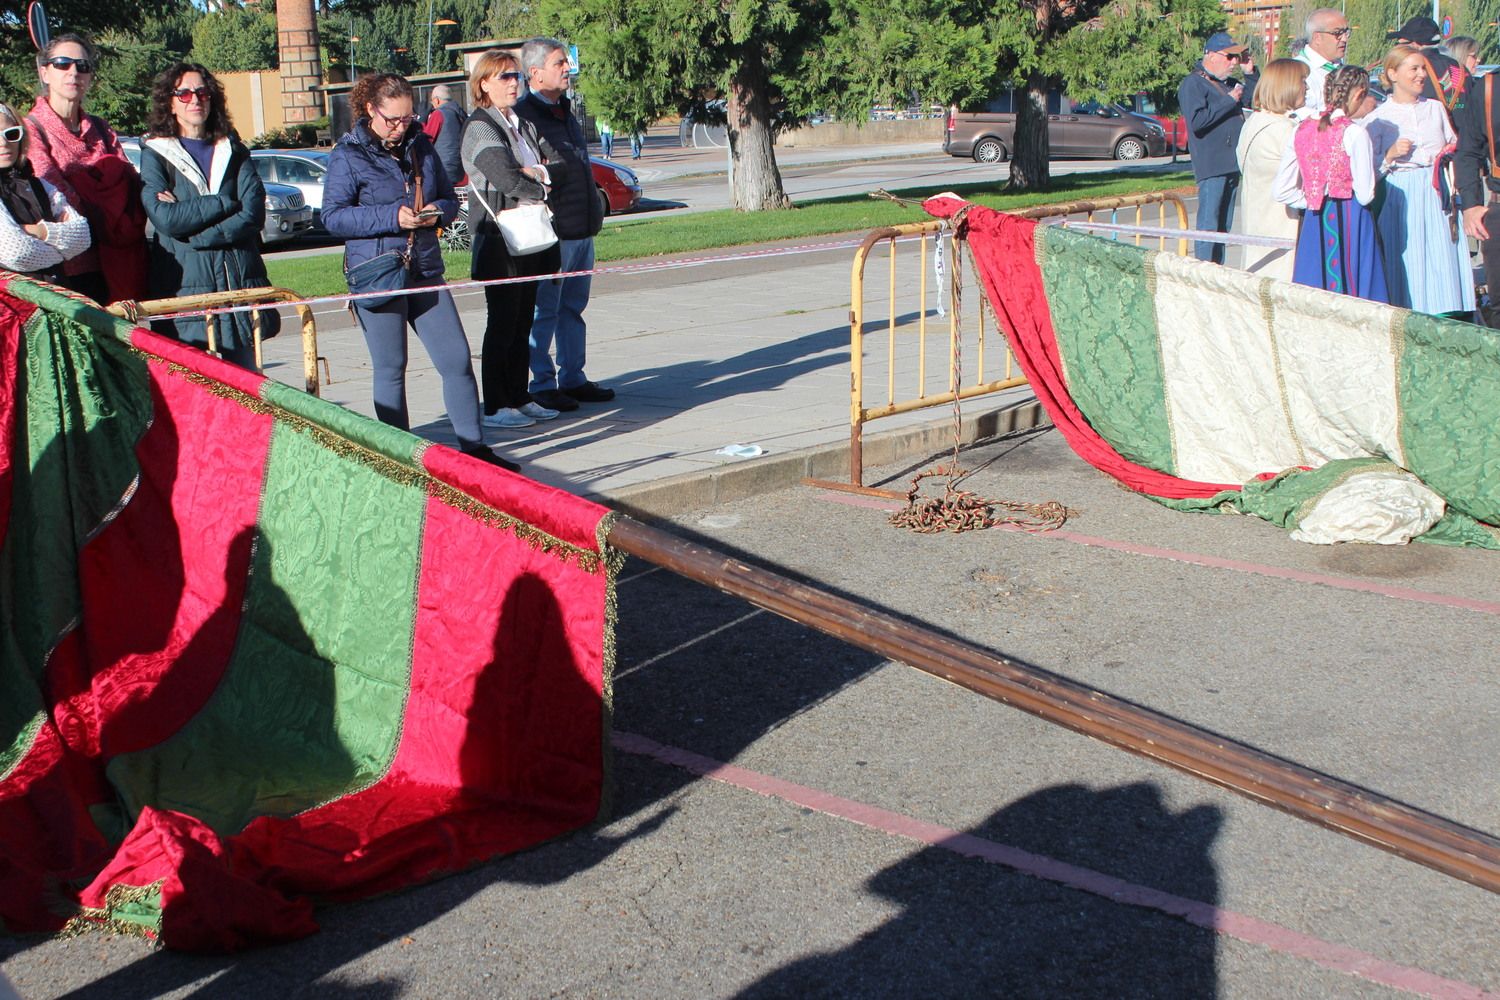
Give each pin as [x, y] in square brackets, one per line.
[486, 455]
[590, 392]
[554, 400]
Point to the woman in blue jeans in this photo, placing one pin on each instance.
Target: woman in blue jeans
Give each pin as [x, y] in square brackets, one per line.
[369, 198]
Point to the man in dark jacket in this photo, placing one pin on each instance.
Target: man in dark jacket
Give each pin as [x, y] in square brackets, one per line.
[1214, 108]
[1477, 120]
[445, 127]
[577, 216]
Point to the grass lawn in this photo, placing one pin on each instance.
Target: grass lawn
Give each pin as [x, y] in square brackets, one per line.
[632, 239]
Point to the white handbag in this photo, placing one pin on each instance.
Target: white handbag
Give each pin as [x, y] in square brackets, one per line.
[527, 228]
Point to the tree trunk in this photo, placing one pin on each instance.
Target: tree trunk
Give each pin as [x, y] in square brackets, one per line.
[1028, 169]
[757, 179]
[301, 65]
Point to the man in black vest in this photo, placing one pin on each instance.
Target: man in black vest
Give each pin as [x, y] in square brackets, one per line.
[577, 215]
[445, 127]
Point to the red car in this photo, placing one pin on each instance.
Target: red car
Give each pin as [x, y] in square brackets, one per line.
[1175, 126]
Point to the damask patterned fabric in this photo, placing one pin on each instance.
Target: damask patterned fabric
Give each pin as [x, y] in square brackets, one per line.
[1206, 387]
[256, 650]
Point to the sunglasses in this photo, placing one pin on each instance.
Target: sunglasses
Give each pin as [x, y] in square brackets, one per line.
[186, 94]
[85, 66]
[509, 75]
[14, 133]
[393, 120]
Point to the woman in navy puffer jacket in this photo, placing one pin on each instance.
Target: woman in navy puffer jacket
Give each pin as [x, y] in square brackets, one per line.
[369, 198]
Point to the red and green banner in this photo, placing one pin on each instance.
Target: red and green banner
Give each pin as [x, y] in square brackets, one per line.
[1208, 388]
[258, 651]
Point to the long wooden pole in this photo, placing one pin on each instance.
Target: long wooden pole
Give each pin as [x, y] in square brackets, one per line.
[1408, 832]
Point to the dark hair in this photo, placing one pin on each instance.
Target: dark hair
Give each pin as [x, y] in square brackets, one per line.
[49, 50]
[161, 122]
[372, 88]
[1342, 84]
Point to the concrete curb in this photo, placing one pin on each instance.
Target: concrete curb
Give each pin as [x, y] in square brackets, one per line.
[681, 494]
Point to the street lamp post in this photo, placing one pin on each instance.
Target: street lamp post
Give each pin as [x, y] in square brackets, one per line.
[430, 23]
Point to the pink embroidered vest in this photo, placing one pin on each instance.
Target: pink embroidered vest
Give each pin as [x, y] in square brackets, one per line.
[1324, 163]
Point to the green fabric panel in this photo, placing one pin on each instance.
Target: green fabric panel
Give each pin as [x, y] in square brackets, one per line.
[1448, 386]
[312, 701]
[1104, 314]
[380, 438]
[82, 403]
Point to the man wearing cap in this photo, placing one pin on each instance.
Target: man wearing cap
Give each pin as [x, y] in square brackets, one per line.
[1327, 38]
[1213, 107]
[1442, 83]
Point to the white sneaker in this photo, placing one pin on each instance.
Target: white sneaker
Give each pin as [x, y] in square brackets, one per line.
[507, 417]
[537, 411]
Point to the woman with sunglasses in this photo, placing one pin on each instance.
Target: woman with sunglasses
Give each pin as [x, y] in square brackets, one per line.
[38, 228]
[506, 162]
[384, 193]
[80, 155]
[207, 204]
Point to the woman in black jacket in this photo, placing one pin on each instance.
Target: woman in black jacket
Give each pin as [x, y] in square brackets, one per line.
[378, 174]
[506, 163]
[207, 204]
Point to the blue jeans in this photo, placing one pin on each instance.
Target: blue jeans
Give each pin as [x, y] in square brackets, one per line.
[1215, 213]
[559, 317]
[607, 144]
[635, 145]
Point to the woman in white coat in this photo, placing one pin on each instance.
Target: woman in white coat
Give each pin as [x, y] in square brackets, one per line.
[39, 229]
[1266, 136]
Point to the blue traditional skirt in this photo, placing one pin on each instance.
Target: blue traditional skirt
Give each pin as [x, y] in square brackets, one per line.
[1426, 266]
[1337, 249]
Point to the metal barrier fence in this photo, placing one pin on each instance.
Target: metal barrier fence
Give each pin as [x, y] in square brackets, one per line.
[979, 350]
[137, 311]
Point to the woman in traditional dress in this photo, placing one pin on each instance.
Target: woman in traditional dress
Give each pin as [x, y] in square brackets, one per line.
[1266, 135]
[1426, 259]
[1328, 171]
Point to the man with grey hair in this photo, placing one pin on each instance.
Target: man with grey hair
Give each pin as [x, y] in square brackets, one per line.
[577, 216]
[1327, 40]
[445, 127]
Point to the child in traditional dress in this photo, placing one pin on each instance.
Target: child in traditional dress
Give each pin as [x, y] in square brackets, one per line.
[1328, 171]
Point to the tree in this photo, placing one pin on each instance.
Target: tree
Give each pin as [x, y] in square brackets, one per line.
[18, 56]
[235, 38]
[644, 58]
[1102, 50]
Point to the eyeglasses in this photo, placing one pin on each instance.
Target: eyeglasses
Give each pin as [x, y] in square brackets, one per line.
[509, 75]
[1335, 32]
[85, 66]
[186, 94]
[14, 133]
[391, 121]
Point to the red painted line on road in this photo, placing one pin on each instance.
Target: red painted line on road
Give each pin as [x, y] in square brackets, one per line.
[1215, 562]
[1200, 914]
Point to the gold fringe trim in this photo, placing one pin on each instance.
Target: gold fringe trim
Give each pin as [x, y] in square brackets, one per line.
[400, 473]
[90, 920]
[614, 561]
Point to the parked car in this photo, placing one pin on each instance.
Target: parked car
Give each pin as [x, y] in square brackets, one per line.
[287, 212]
[303, 169]
[1175, 125]
[1074, 129]
[619, 187]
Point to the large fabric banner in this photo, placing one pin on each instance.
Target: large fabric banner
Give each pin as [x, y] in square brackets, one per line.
[257, 650]
[1206, 387]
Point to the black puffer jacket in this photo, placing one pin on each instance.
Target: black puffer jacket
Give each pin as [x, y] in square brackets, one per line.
[576, 211]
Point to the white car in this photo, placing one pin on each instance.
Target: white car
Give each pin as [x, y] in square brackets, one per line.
[303, 169]
[287, 211]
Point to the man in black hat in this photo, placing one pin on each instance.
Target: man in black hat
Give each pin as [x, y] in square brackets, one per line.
[1214, 106]
[1442, 83]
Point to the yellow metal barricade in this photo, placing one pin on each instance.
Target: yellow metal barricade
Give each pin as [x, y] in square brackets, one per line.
[982, 373]
[139, 311]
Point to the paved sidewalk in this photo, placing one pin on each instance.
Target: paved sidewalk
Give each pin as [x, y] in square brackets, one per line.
[749, 352]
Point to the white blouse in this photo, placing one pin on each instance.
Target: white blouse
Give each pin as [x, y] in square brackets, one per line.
[524, 152]
[66, 238]
[1423, 121]
[1287, 188]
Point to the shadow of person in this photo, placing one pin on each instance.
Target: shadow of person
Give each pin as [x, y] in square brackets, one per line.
[974, 929]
